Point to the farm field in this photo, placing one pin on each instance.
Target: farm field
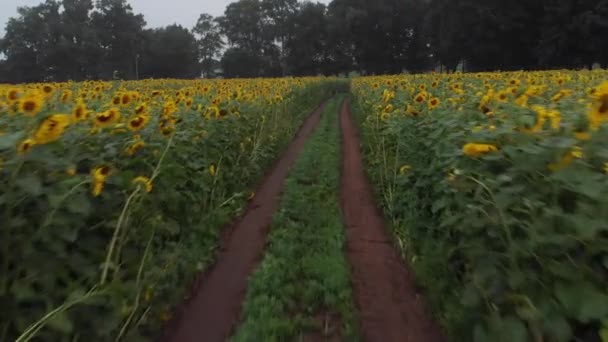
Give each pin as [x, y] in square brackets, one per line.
[241, 209]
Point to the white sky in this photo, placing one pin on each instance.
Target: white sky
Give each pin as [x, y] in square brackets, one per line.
[157, 12]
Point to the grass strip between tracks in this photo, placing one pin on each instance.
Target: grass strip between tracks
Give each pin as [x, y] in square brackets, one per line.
[301, 289]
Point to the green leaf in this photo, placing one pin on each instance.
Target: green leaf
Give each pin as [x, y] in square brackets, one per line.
[583, 301]
[558, 328]
[9, 141]
[31, 184]
[513, 330]
[79, 204]
[61, 322]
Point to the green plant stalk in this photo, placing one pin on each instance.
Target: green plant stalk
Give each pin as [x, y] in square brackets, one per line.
[140, 270]
[6, 246]
[31, 331]
[123, 215]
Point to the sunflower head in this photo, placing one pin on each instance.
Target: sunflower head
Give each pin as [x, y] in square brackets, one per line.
[107, 118]
[125, 99]
[142, 108]
[25, 146]
[434, 103]
[133, 149]
[31, 104]
[52, 128]
[144, 182]
[48, 89]
[138, 122]
[80, 111]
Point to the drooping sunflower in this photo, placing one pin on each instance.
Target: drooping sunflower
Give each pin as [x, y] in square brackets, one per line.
[51, 128]
[142, 108]
[25, 146]
[475, 150]
[144, 182]
[99, 176]
[134, 148]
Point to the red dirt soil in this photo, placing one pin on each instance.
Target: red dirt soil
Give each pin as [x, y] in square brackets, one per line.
[214, 310]
[389, 307]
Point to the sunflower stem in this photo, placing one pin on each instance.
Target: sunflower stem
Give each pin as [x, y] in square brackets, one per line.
[51, 215]
[125, 326]
[123, 214]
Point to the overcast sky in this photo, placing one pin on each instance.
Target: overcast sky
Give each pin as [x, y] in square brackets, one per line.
[157, 12]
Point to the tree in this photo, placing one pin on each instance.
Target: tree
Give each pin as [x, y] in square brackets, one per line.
[308, 39]
[566, 30]
[246, 28]
[279, 18]
[238, 62]
[379, 32]
[120, 34]
[29, 43]
[209, 42]
[170, 52]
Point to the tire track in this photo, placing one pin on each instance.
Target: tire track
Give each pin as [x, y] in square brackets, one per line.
[213, 311]
[389, 307]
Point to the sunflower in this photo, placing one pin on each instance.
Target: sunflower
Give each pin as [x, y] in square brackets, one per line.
[475, 150]
[434, 103]
[598, 113]
[167, 127]
[25, 146]
[133, 149]
[51, 128]
[142, 108]
[65, 97]
[502, 96]
[107, 118]
[99, 175]
[138, 122]
[412, 110]
[116, 100]
[125, 99]
[567, 159]
[420, 97]
[80, 112]
[48, 89]
[13, 94]
[31, 104]
[404, 169]
[145, 182]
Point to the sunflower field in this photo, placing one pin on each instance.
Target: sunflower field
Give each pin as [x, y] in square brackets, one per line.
[114, 193]
[494, 184]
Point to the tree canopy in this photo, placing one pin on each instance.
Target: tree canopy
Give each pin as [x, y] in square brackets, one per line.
[81, 39]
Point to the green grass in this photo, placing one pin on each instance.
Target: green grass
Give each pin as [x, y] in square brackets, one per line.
[303, 281]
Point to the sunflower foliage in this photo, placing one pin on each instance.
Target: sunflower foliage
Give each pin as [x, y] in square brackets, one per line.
[495, 187]
[113, 194]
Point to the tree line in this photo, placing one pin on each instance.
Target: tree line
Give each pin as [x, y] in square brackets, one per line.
[61, 40]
